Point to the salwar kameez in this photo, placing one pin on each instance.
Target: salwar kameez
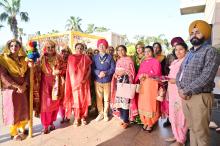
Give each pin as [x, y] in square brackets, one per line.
[176, 116]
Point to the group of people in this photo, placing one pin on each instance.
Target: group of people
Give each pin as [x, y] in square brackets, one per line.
[178, 86]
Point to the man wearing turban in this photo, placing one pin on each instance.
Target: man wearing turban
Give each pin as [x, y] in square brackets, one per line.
[103, 68]
[195, 81]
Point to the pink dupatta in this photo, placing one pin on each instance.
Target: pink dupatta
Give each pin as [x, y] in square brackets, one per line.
[127, 64]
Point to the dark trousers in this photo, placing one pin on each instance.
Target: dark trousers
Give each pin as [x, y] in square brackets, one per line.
[124, 115]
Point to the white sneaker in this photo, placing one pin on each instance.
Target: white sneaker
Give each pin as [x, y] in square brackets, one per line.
[99, 117]
[213, 125]
[106, 118]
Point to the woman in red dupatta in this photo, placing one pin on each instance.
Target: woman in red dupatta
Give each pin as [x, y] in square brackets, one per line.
[148, 106]
[65, 52]
[50, 86]
[14, 80]
[77, 91]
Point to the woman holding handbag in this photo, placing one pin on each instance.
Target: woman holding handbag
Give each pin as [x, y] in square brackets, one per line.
[124, 73]
[148, 106]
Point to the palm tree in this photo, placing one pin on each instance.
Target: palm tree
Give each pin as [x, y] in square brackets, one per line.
[1, 26]
[90, 28]
[21, 33]
[73, 23]
[12, 9]
[101, 29]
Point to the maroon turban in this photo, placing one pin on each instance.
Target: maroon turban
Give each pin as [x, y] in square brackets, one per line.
[176, 40]
[102, 41]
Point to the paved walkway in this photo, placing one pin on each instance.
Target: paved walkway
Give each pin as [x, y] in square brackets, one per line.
[94, 134]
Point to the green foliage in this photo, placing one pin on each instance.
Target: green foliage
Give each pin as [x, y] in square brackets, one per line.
[131, 50]
[11, 10]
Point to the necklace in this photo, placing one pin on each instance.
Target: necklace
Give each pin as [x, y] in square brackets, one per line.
[102, 59]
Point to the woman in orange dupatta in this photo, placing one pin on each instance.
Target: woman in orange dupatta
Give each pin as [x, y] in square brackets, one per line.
[77, 87]
[14, 80]
[49, 90]
[148, 106]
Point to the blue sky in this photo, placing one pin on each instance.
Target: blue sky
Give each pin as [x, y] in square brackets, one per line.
[131, 17]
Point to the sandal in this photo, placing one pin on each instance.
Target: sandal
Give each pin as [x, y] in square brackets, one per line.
[52, 127]
[170, 139]
[76, 123]
[83, 121]
[213, 125]
[65, 120]
[149, 129]
[16, 138]
[125, 125]
[45, 131]
[144, 127]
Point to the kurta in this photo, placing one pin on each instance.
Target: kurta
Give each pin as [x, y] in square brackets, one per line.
[15, 105]
[126, 64]
[49, 85]
[148, 107]
[176, 116]
[77, 94]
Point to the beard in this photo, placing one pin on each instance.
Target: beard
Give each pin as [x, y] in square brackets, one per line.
[196, 41]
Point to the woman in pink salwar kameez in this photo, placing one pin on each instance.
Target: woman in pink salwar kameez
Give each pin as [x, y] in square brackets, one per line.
[50, 86]
[148, 106]
[176, 116]
[124, 73]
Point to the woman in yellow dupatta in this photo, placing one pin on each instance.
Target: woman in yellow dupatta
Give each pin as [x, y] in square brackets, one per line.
[14, 81]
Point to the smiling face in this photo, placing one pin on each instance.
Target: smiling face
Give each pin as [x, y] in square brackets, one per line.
[180, 51]
[121, 52]
[148, 53]
[79, 49]
[14, 47]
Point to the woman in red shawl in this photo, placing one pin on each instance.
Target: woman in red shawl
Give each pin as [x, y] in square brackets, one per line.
[50, 86]
[65, 52]
[77, 91]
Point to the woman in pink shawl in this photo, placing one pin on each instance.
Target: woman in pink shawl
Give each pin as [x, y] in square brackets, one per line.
[124, 72]
[148, 106]
[77, 91]
[50, 86]
[176, 116]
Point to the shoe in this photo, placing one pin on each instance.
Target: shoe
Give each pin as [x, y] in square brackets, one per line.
[171, 139]
[213, 125]
[99, 117]
[167, 123]
[144, 127]
[106, 118]
[218, 130]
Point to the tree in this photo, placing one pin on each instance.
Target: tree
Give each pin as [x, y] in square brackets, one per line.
[73, 23]
[21, 33]
[1, 26]
[90, 28]
[101, 29]
[11, 10]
